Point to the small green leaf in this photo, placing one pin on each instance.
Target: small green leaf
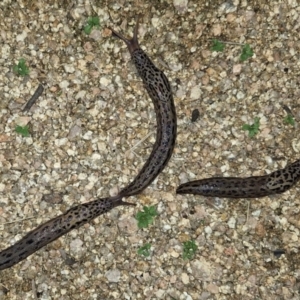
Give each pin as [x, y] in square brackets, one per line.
[88, 29]
[24, 131]
[145, 217]
[94, 21]
[252, 129]
[247, 52]
[91, 22]
[21, 68]
[217, 46]
[144, 250]
[289, 119]
[189, 249]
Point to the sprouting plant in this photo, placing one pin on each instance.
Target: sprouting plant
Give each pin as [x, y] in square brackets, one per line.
[23, 130]
[21, 68]
[247, 52]
[189, 249]
[145, 217]
[202, 222]
[217, 46]
[144, 250]
[289, 119]
[91, 22]
[252, 129]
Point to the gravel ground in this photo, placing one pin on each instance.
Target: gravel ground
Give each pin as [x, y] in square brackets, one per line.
[93, 128]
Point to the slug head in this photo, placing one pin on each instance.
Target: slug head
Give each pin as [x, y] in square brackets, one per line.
[132, 43]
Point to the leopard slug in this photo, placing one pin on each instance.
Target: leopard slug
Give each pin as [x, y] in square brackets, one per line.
[159, 90]
[55, 228]
[276, 182]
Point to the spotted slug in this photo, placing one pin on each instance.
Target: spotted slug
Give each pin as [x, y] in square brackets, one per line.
[249, 187]
[159, 90]
[55, 228]
[158, 87]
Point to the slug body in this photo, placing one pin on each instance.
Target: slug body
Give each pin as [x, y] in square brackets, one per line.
[249, 187]
[55, 228]
[159, 90]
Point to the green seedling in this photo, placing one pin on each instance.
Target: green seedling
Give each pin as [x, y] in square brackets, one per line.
[145, 217]
[202, 222]
[23, 130]
[217, 46]
[252, 129]
[289, 119]
[247, 52]
[189, 249]
[91, 22]
[21, 68]
[144, 250]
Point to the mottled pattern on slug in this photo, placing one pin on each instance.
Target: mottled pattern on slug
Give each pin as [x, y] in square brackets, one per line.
[248, 187]
[158, 87]
[282, 180]
[55, 228]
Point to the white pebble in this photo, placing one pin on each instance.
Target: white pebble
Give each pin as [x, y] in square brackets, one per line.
[256, 213]
[95, 156]
[196, 92]
[113, 275]
[231, 223]
[187, 296]
[61, 142]
[57, 165]
[208, 230]
[80, 95]
[71, 152]
[237, 69]
[155, 22]
[104, 81]
[76, 245]
[193, 49]
[180, 5]
[240, 95]
[185, 278]
[64, 84]
[294, 237]
[166, 227]
[21, 37]
[92, 178]
[82, 176]
[88, 135]
[283, 221]
[69, 68]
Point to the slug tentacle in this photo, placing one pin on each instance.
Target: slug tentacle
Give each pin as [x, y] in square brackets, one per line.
[249, 187]
[159, 90]
[55, 228]
[132, 43]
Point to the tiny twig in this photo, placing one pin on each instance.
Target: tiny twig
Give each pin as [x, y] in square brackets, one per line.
[34, 289]
[229, 43]
[142, 140]
[248, 212]
[17, 221]
[35, 96]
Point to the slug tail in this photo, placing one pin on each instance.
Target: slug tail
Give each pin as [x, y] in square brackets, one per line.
[118, 201]
[132, 43]
[127, 203]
